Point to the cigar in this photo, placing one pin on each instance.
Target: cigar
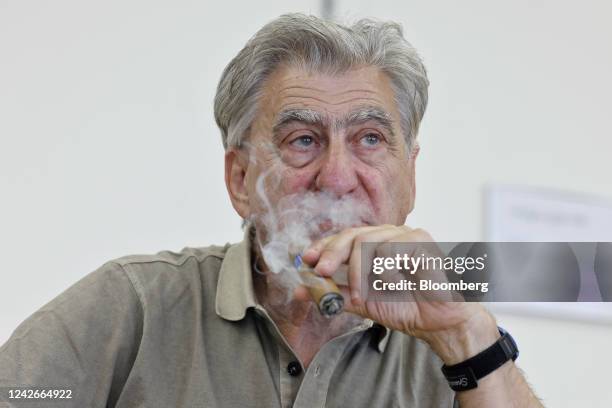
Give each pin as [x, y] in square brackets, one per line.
[324, 291]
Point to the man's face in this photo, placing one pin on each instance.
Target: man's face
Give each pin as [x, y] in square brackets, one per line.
[321, 133]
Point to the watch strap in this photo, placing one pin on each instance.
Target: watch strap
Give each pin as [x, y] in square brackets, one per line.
[465, 375]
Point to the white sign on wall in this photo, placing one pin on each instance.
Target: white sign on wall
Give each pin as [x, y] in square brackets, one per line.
[527, 214]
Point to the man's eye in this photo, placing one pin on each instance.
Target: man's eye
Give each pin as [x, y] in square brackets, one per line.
[303, 142]
[370, 139]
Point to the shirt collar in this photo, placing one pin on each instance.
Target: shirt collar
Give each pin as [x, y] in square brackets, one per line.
[236, 294]
[383, 337]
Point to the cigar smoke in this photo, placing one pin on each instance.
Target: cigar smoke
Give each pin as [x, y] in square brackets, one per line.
[299, 219]
[292, 222]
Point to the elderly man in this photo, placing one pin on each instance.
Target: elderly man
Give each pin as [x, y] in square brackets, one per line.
[310, 112]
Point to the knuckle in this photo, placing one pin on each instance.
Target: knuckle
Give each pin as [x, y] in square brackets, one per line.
[327, 253]
[422, 234]
[405, 228]
[360, 239]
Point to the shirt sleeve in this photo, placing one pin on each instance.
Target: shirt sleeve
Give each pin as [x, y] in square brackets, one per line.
[85, 341]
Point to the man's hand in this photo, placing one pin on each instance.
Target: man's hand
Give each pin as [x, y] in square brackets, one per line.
[454, 330]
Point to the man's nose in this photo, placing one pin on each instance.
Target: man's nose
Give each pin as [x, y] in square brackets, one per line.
[337, 174]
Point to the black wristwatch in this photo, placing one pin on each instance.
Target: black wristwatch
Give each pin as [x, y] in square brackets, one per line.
[465, 375]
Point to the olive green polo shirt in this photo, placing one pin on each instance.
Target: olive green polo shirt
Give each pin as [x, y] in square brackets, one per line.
[184, 329]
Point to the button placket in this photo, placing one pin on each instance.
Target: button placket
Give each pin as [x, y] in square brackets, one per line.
[315, 384]
[294, 369]
[309, 389]
[289, 385]
[291, 373]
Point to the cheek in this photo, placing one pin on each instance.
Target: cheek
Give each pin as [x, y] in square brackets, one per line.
[276, 184]
[297, 180]
[389, 191]
[376, 187]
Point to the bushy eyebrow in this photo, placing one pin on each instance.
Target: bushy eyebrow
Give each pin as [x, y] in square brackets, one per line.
[313, 118]
[306, 116]
[366, 114]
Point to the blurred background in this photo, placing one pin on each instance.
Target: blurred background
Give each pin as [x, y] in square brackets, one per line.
[109, 145]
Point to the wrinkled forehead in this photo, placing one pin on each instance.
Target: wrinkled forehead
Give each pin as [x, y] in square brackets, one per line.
[325, 99]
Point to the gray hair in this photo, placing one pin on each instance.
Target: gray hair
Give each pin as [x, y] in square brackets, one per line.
[323, 46]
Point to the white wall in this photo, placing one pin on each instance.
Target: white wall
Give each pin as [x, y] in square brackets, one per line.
[520, 93]
[109, 145]
[565, 361]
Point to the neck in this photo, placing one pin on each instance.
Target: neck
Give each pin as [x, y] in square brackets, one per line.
[300, 323]
[288, 313]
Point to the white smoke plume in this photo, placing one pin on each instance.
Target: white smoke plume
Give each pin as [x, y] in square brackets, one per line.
[296, 220]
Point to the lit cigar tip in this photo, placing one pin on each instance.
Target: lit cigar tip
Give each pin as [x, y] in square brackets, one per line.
[331, 304]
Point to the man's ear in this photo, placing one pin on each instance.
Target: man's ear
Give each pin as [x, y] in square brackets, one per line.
[236, 166]
[414, 152]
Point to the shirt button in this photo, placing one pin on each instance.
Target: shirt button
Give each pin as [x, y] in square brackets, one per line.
[294, 369]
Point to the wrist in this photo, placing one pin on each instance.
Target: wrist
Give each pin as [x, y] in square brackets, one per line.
[463, 341]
